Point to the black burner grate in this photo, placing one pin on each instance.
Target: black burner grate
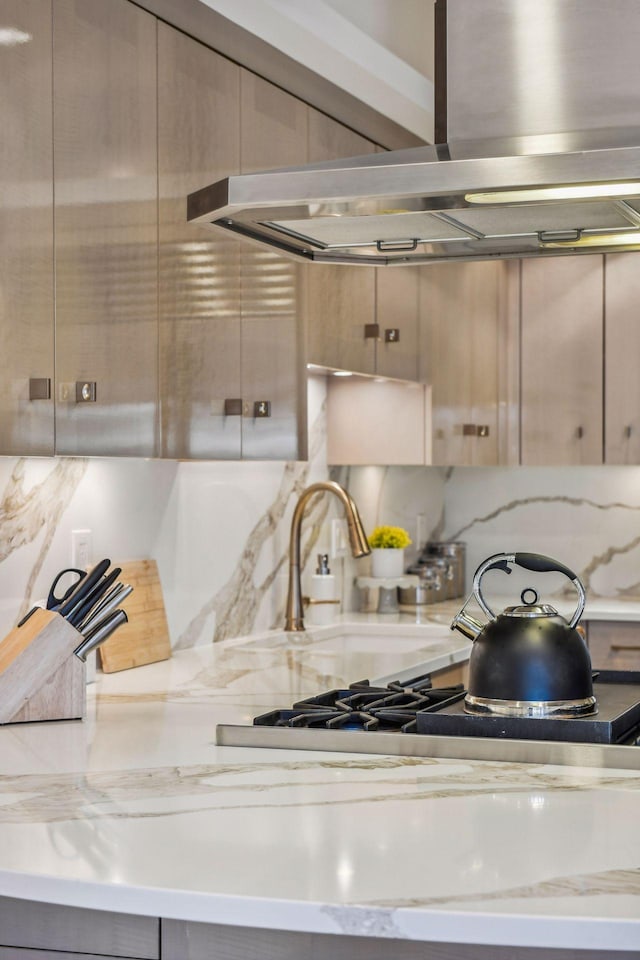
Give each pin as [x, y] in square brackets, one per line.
[414, 706]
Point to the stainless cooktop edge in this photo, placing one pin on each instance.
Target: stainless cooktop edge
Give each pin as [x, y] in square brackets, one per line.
[608, 756]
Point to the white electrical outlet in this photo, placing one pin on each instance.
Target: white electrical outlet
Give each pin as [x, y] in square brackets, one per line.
[339, 540]
[81, 549]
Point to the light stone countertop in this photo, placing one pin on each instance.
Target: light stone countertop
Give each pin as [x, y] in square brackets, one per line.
[137, 810]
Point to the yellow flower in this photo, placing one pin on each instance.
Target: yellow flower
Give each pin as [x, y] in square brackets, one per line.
[389, 538]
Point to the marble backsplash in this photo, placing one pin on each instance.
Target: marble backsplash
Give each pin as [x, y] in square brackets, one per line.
[219, 530]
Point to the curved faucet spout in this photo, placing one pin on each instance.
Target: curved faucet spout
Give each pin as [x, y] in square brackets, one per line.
[294, 619]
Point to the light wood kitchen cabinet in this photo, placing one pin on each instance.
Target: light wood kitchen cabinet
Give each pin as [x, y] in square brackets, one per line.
[340, 300]
[468, 345]
[397, 310]
[46, 929]
[561, 361]
[362, 319]
[105, 162]
[199, 276]
[26, 233]
[273, 133]
[622, 358]
[229, 311]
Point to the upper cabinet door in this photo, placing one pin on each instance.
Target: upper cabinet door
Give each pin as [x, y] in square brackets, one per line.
[561, 361]
[464, 324]
[273, 134]
[199, 282]
[340, 300]
[105, 161]
[397, 317]
[26, 232]
[622, 355]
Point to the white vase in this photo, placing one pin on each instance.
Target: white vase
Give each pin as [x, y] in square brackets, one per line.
[387, 563]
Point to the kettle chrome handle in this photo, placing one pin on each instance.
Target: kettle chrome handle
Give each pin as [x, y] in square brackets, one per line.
[530, 561]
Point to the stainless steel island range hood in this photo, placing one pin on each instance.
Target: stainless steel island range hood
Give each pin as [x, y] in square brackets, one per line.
[538, 152]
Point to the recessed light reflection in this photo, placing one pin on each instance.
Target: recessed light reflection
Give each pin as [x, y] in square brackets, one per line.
[536, 801]
[586, 191]
[342, 373]
[345, 873]
[11, 36]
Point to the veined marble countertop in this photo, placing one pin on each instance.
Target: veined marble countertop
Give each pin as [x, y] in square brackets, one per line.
[137, 810]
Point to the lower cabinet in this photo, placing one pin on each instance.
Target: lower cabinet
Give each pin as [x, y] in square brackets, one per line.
[47, 930]
[200, 941]
[42, 931]
[614, 644]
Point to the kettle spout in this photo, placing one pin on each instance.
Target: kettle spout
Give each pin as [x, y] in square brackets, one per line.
[467, 625]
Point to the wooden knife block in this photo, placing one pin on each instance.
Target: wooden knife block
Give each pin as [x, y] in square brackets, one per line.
[40, 677]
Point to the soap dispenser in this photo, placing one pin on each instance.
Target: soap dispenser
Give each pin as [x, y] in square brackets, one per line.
[324, 603]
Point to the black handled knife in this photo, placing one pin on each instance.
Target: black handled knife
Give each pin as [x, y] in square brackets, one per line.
[83, 606]
[84, 588]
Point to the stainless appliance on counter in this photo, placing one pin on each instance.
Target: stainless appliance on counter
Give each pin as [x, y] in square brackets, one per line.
[441, 572]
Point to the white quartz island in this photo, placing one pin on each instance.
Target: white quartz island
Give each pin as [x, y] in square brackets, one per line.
[137, 811]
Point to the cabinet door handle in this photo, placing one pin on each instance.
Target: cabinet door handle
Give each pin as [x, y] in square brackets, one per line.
[579, 433]
[626, 646]
[40, 388]
[233, 408]
[86, 391]
[261, 408]
[628, 430]
[372, 331]
[476, 430]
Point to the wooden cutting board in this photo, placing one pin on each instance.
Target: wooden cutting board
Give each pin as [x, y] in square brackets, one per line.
[145, 638]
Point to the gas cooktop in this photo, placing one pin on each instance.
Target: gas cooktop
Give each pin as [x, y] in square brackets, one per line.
[412, 718]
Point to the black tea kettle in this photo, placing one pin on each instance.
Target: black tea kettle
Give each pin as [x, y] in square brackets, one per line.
[528, 661]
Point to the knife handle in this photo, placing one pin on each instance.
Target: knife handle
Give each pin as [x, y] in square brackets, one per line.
[84, 605]
[84, 588]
